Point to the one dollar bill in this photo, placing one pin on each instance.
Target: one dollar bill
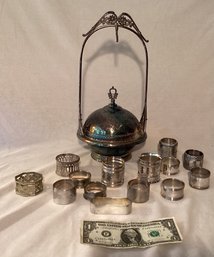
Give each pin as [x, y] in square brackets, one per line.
[130, 235]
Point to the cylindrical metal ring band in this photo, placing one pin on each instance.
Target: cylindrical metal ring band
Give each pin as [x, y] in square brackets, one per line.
[80, 178]
[138, 190]
[113, 172]
[93, 189]
[199, 178]
[192, 159]
[149, 164]
[66, 164]
[29, 183]
[64, 191]
[170, 165]
[167, 147]
[172, 189]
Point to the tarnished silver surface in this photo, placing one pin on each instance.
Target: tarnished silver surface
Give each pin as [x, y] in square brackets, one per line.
[80, 178]
[199, 178]
[94, 189]
[192, 159]
[113, 171]
[113, 130]
[66, 164]
[108, 205]
[29, 183]
[138, 190]
[64, 191]
[170, 165]
[172, 189]
[149, 164]
[167, 147]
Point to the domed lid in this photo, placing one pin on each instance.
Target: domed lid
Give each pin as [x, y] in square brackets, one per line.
[112, 125]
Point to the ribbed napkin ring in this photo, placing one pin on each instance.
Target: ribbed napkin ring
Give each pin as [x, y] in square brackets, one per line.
[29, 183]
[66, 164]
[172, 189]
[199, 178]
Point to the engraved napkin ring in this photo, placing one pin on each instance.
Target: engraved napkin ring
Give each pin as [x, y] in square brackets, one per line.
[29, 183]
[192, 159]
[64, 191]
[113, 172]
[66, 164]
[80, 178]
[167, 147]
[170, 165]
[94, 189]
[172, 189]
[199, 178]
[149, 164]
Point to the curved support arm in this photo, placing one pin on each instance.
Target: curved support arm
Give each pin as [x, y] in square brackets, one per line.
[125, 21]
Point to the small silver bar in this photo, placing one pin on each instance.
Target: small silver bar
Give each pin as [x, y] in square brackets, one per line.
[108, 205]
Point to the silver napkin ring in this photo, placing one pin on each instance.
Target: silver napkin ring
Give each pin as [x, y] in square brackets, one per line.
[64, 191]
[80, 178]
[167, 147]
[138, 190]
[113, 172]
[149, 164]
[192, 159]
[29, 183]
[66, 164]
[199, 178]
[94, 189]
[170, 165]
[172, 189]
[108, 205]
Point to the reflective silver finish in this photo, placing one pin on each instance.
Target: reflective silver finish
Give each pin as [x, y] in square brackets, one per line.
[167, 147]
[64, 191]
[66, 164]
[80, 178]
[113, 172]
[29, 183]
[192, 159]
[149, 164]
[113, 130]
[138, 190]
[108, 205]
[170, 165]
[172, 189]
[94, 189]
[199, 178]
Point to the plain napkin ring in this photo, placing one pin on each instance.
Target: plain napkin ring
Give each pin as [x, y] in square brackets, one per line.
[64, 191]
[199, 178]
[80, 178]
[94, 189]
[172, 189]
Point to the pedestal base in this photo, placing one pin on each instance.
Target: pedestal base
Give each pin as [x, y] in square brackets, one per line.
[100, 158]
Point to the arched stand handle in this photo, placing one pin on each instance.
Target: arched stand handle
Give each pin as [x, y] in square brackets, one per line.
[125, 21]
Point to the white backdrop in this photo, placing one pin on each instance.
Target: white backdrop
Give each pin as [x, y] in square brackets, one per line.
[40, 43]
